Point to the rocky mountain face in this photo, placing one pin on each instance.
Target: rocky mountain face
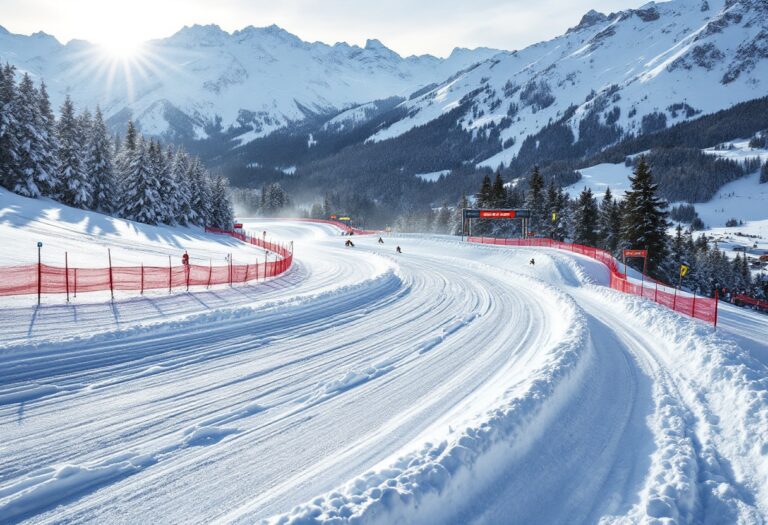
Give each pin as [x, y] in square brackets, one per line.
[609, 77]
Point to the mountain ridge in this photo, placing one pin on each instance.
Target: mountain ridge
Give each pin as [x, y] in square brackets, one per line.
[202, 78]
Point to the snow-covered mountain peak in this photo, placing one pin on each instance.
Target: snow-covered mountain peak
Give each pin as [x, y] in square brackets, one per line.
[589, 19]
[376, 46]
[610, 76]
[197, 35]
[251, 81]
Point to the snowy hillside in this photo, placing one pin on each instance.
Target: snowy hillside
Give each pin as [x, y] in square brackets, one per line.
[629, 72]
[256, 79]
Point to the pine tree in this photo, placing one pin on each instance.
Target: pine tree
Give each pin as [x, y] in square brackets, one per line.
[555, 206]
[221, 206]
[498, 192]
[644, 224]
[678, 251]
[563, 216]
[99, 166]
[184, 213]
[29, 176]
[485, 195]
[75, 188]
[49, 144]
[131, 137]
[609, 223]
[585, 219]
[161, 173]
[8, 126]
[142, 202]
[200, 192]
[534, 201]
[764, 173]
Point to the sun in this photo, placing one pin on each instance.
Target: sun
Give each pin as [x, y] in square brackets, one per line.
[121, 48]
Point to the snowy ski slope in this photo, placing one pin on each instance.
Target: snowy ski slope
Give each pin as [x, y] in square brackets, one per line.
[450, 384]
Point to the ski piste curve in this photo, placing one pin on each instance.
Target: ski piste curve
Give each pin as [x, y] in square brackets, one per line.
[452, 383]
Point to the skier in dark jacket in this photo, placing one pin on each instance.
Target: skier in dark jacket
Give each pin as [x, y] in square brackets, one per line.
[398, 250]
[532, 263]
[381, 241]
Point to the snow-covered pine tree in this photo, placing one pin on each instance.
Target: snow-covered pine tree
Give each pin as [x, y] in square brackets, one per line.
[75, 187]
[200, 192]
[498, 192]
[49, 154]
[141, 201]
[644, 224]
[585, 219]
[222, 214]
[8, 123]
[485, 194]
[677, 248]
[161, 173]
[29, 176]
[184, 213]
[558, 203]
[609, 224]
[764, 173]
[99, 166]
[554, 213]
[124, 150]
[535, 201]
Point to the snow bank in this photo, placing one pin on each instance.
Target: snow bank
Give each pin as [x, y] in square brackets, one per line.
[711, 426]
[726, 392]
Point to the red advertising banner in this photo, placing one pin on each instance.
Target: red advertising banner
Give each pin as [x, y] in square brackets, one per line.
[635, 253]
[498, 214]
[238, 226]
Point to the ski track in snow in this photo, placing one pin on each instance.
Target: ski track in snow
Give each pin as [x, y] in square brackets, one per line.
[450, 384]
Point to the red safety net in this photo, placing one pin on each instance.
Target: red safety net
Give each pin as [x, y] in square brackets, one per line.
[741, 299]
[45, 279]
[704, 308]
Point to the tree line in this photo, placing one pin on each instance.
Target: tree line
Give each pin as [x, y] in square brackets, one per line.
[638, 221]
[74, 160]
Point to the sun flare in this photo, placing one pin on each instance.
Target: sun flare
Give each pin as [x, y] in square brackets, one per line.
[121, 48]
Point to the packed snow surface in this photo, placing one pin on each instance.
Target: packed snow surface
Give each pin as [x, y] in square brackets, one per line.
[451, 383]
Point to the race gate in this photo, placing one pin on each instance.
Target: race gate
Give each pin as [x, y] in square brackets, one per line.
[501, 214]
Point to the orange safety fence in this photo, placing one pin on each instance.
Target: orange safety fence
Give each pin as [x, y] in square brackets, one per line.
[698, 307]
[46, 279]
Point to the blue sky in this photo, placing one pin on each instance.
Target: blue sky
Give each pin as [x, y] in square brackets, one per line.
[408, 27]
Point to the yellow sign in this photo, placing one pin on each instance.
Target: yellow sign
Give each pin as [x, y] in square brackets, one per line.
[344, 219]
[554, 216]
[683, 270]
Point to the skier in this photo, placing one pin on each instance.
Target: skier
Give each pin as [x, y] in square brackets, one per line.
[532, 263]
[381, 241]
[398, 250]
